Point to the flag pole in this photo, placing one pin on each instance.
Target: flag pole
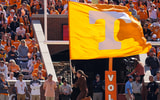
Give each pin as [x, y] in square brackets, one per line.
[71, 69]
[110, 64]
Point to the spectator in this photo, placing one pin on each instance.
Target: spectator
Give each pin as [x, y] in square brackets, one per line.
[39, 69]
[139, 69]
[153, 89]
[29, 30]
[53, 11]
[30, 64]
[34, 4]
[16, 42]
[152, 62]
[1, 46]
[41, 10]
[12, 54]
[26, 21]
[38, 62]
[49, 87]
[40, 77]
[22, 12]
[4, 94]
[3, 69]
[35, 85]
[28, 40]
[132, 10]
[128, 89]
[82, 84]
[148, 21]
[8, 46]
[14, 68]
[20, 88]
[11, 76]
[35, 51]
[15, 2]
[33, 44]
[137, 87]
[154, 37]
[59, 7]
[153, 13]
[2, 10]
[13, 25]
[5, 29]
[11, 16]
[157, 77]
[23, 50]
[20, 31]
[147, 32]
[98, 88]
[65, 90]
[3, 19]
[143, 14]
[15, 8]
[49, 4]
[60, 83]
[2, 54]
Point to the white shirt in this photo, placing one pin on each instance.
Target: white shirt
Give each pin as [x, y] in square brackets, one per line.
[20, 31]
[4, 69]
[136, 87]
[35, 88]
[153, 14]
[66, 89]
[11, 79]
[20, 86]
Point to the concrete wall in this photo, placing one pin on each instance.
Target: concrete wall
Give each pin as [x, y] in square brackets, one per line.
[55, 32]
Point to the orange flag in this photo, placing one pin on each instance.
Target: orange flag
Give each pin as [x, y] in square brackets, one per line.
[103, 31]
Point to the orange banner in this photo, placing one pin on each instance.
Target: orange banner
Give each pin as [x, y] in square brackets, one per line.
[110, 85]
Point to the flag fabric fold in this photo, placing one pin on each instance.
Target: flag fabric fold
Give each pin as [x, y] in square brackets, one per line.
[103, 31]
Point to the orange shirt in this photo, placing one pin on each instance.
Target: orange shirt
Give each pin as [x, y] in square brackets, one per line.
[43, 72]
[145, 8]
[31, 33]
[7, 48]
[156, 3]
[36, 3]
[36, 65]
[158, 55]
[18, 2]
[27, 7]
[156, 30]
[28, 42]
[135, 6]
[30, 48]
[3, 43]
[143, 15]
[10, 19]
[16, 43]
[65, 2]
[158, 15]
[14, 68]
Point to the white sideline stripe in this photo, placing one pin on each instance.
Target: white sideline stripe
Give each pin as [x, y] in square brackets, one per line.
[44, 49]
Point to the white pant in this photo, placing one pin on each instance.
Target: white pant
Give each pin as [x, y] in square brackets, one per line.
[4, 97]
[128, 98]
[97, 96]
